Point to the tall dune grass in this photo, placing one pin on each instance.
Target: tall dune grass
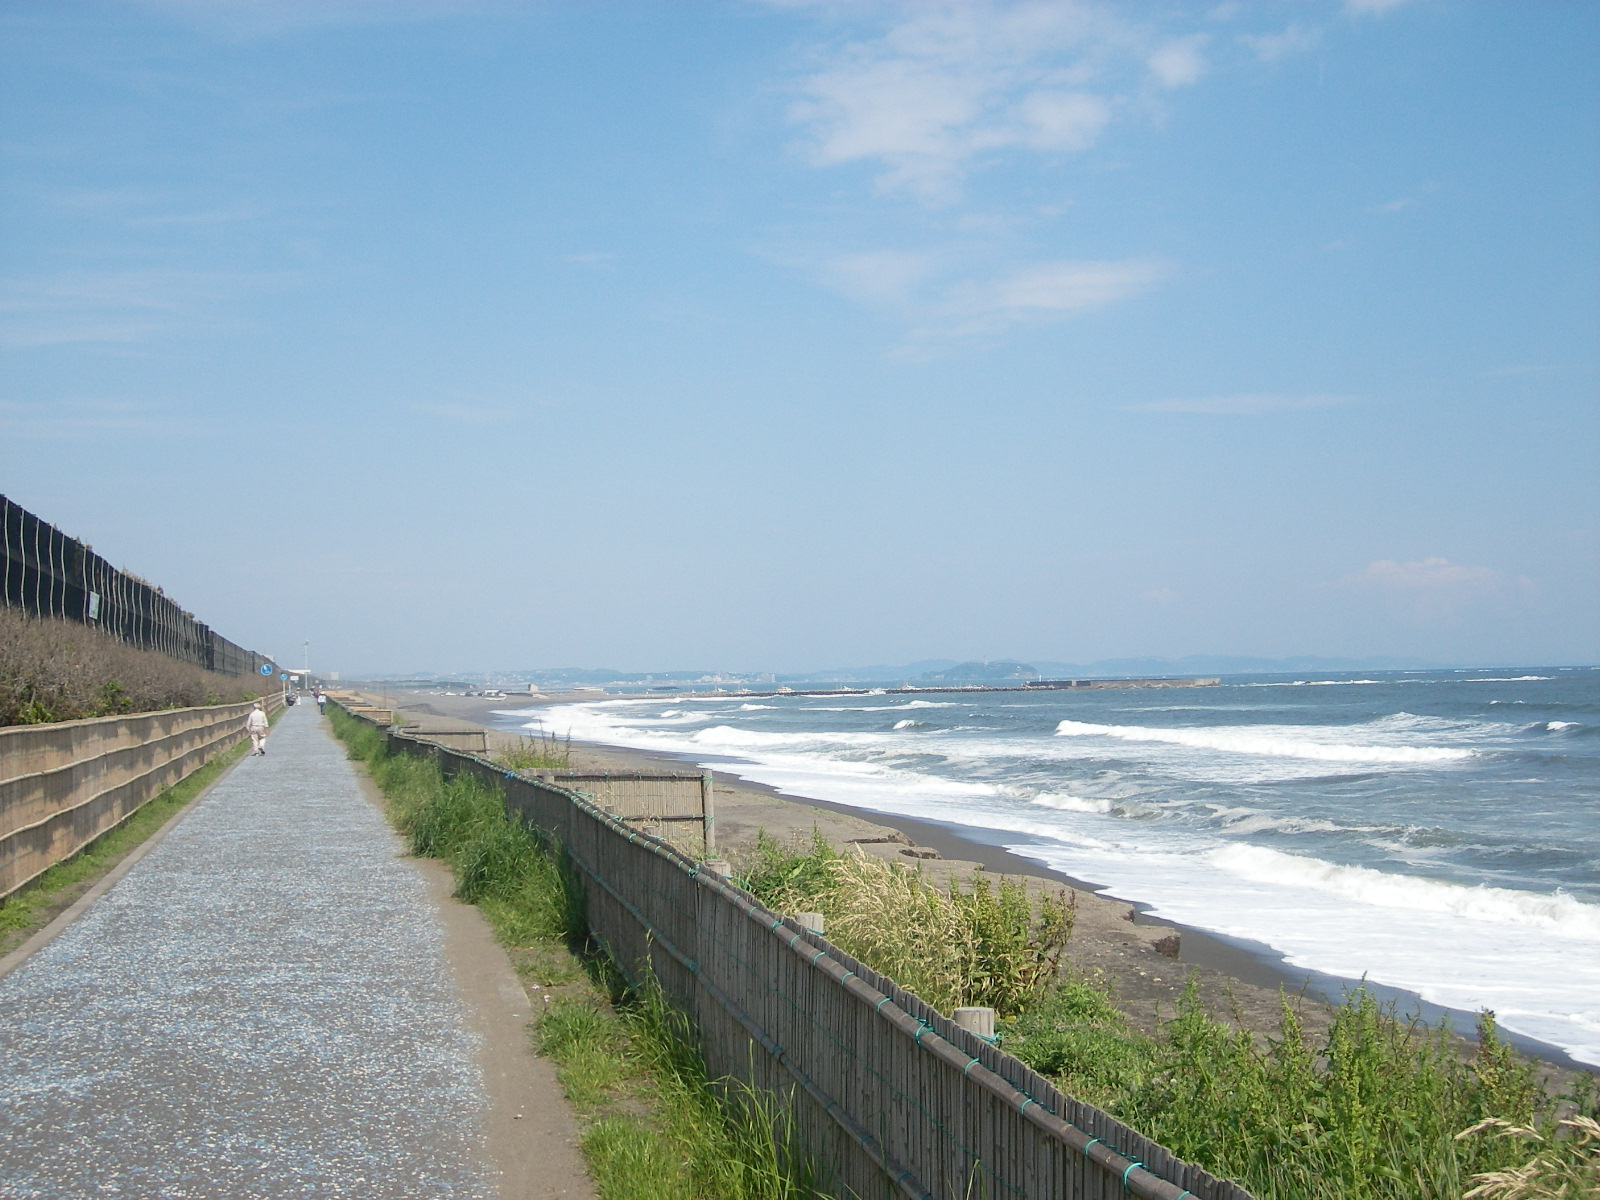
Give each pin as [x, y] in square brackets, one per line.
[1378, 1109]
[968, 944]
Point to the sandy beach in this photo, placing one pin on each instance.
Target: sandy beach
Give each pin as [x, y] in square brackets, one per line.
[1146, 962]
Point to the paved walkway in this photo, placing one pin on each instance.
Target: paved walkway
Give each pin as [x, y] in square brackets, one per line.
[261, 1007]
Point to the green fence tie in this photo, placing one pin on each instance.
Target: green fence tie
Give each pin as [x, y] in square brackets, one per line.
[1089, 1143]
[845, 976]
[817, 955]
[926, 1028]
[1126, 1173]
[972, 1063]
[1023, 1107]
[879, 1006]
[775, 924]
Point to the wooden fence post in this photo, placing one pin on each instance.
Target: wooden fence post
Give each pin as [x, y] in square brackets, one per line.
[708, 812]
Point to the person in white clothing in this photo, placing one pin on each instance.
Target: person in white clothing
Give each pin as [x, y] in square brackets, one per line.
[256, 726]
[322, 701]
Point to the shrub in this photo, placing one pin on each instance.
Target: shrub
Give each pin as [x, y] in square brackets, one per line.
[55, 670]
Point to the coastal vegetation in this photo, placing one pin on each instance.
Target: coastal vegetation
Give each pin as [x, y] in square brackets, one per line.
[537, 752]
[1379, 1108]
[656, 1127]
[1376, 1108]
[55, 670]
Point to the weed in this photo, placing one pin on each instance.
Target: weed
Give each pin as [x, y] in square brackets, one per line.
[659, 1128]
[537, 751]
[54, 670]
[965, 945]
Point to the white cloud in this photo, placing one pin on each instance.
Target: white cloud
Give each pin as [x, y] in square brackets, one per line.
[72, 420]
[1178, 63]
[1371, 7]
[467, 412]
[882, 277]
[943, 87]
[108, 307]
[1436, 588]
[1394, 206]
[1244, 404]
[258, 18]
[940, 298]
[1047, 291]
[1270, 47]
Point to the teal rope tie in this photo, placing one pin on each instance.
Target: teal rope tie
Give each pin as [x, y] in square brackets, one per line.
[1023, 1107]
[817, 955]
[970, 1064]
[845, 976]
[1089, 1143]
[879, 1006]
[1129, 1171]
[926, 1028]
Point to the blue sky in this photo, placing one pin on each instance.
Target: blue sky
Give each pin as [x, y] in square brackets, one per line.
[782, 335]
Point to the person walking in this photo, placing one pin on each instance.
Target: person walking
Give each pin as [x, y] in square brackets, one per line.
[256, 726]
[322, 701]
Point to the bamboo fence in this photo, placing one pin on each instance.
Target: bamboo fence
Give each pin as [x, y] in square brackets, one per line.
[889, 1097]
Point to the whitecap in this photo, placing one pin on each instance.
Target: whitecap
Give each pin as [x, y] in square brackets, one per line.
[1266, 741]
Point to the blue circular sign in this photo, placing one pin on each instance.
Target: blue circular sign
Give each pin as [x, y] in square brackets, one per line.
[266, 668]
[284, 675]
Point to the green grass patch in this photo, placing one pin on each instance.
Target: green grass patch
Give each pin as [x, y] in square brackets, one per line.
[37, 903]
[656, 1127]
[1377, 1109]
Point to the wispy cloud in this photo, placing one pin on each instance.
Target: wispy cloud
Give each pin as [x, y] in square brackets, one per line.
[1394, 206]
[1433, 588]
[944, 298]
[265, 18]
[112, 307]
[1371, 7]
[1244, 404]
[1270, 47]
[597, 260]
[75, 420]
[475, 413]
[1041, 293]
[946, 86]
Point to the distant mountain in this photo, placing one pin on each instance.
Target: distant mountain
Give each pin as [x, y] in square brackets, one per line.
[1005, 670]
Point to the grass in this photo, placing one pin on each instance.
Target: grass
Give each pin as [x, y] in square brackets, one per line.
[1378, 1109]
[655, 1126]
[37, 903]
[972, 944]
[537, 752]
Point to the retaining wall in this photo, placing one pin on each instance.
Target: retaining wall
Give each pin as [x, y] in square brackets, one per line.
[63, 785]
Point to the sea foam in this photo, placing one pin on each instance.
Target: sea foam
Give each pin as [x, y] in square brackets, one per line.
[1266, 741]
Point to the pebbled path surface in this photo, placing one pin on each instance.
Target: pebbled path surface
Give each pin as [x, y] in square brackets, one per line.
[261, 1007]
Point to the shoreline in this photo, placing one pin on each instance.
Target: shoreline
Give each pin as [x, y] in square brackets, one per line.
[1115, 938]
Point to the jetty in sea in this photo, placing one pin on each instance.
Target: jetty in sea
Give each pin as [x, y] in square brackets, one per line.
[1061, 685]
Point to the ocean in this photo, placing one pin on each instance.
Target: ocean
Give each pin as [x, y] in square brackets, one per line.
[1431, 831]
